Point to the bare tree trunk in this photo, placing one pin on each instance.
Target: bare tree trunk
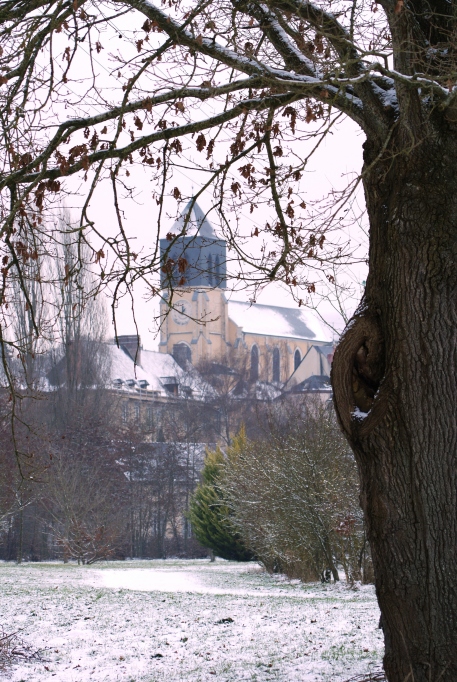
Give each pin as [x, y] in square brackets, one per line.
[21, 535]
[331, 564]
[395, 387]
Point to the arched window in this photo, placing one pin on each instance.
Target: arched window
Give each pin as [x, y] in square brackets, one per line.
[254, 373]
[297, 359]
[218, 271]
[182, 354]
[276, 365]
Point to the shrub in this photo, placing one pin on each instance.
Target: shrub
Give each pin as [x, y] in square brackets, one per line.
[294, 495]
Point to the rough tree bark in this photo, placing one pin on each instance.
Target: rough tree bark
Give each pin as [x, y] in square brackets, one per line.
[395, 382]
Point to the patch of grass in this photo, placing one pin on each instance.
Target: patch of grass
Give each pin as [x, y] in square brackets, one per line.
[343, 652]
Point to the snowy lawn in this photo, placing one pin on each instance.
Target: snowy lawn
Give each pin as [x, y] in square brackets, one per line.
[186, 621]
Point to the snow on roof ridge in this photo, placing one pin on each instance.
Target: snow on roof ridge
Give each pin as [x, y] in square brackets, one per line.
[299, 323]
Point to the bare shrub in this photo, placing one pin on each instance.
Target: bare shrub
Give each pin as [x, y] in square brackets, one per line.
[86, 519]
[14, 649]
[294, 494]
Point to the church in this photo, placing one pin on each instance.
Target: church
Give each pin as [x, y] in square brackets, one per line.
[201, 322]
[209, 340]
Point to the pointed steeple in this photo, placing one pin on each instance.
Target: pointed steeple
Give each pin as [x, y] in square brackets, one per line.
[197, 222]
[195, 257]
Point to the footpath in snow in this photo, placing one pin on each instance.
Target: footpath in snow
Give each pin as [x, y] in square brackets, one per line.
[186, 621]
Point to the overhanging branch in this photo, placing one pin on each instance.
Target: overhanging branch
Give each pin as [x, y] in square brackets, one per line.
[259, 104]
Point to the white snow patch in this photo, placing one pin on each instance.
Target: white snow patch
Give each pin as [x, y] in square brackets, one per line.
[149, 580]
[358, 414]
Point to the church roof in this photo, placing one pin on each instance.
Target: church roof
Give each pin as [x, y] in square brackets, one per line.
[198, 223]
[270, 320]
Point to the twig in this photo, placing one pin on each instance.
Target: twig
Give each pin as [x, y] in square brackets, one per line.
[12, 648]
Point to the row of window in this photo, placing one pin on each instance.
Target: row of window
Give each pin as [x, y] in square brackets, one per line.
[182, 352]
[135, 414]
[254, 370]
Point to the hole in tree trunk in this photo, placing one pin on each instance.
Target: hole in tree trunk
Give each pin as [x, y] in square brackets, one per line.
[367, 372]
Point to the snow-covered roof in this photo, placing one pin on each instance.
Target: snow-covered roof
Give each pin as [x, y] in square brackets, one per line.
[122, 367]
[266, 391]
[269, 320]
[197, 223]
[157, 370]
[315, 383]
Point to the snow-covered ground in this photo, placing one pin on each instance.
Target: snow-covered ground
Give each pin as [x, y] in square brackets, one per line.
[186, 621]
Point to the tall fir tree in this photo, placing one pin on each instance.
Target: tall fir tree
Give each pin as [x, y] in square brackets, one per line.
[209, 512]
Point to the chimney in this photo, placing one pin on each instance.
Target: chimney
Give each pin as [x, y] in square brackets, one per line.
[131, 344]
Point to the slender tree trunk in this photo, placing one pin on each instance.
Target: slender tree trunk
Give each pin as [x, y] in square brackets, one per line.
[395, 387]
[21, 535]
[329, 557]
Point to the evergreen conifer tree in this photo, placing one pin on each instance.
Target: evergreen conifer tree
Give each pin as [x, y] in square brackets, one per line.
[209, 512]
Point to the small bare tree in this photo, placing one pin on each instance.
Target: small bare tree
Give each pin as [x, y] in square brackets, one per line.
[31, 326]
[79, 359]
[232, 395]
[83, 501]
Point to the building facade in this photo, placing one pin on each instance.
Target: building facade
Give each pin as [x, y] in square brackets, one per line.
[201, 323]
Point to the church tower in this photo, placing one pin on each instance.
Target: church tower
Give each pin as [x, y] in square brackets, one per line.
[193, 280]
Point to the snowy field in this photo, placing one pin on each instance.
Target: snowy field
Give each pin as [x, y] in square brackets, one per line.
[186, 621]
